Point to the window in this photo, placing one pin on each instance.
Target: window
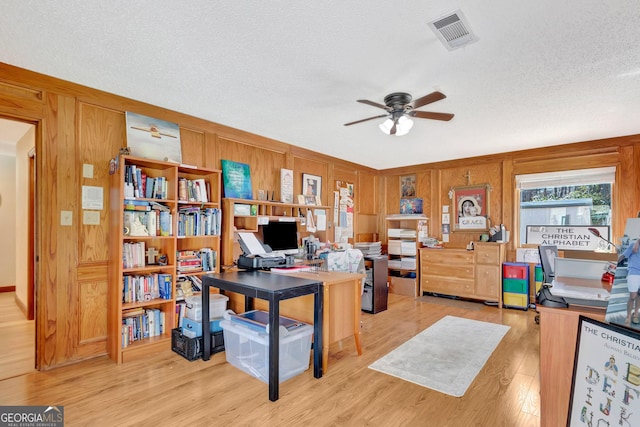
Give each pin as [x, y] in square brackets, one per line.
[577, 197]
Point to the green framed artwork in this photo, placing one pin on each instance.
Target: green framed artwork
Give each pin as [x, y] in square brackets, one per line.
[236, 180]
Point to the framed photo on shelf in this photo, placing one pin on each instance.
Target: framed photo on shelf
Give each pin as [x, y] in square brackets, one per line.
[407, 186]
[311, 186]
[236, 180]
[470, 206]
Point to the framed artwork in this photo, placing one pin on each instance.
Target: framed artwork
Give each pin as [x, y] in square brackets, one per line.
[411, 205]
[311, 185]
[470, 206]
[286, 185]
[153, 138]
[407, 186]
[236, 180]
[606, 376]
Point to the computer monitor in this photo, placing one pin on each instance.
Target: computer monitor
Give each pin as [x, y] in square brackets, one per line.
[281, 236]
[548, 255]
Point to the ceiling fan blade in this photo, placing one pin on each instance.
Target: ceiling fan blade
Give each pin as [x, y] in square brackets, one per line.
[428, 99]
[373, 104]
[394, 128]
[433, 116]
[364, 120]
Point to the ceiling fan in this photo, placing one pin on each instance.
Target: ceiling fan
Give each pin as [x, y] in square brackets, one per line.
[400, 109]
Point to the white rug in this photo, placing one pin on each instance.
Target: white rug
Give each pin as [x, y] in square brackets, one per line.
[445, 357]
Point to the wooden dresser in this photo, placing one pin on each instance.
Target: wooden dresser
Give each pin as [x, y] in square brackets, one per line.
[473, 274]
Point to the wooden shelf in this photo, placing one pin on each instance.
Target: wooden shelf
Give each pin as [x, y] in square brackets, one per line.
[165, 245]
[264, 209]
[403, 244]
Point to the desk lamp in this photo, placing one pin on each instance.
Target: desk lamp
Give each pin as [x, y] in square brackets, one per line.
[596, 233]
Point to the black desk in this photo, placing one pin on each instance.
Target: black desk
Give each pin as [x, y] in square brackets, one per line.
[273, 288]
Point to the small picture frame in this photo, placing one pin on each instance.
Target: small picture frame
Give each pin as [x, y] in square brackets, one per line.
[311, 186]
[407, 186]
[470, 207]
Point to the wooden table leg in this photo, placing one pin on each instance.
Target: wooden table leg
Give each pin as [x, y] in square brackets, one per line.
[356, 312]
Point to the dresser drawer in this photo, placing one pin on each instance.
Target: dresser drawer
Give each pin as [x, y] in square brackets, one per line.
[447, 286]
[446, 256]
[487, 253]
[444, 270]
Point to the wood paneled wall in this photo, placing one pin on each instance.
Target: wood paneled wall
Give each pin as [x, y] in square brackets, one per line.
[77, 125]
[499, 172]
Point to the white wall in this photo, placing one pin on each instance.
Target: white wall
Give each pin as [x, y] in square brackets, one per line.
[7, 220]
[21, 182]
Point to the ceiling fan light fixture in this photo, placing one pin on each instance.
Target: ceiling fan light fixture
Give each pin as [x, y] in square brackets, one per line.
[403, 126]
[386, 126]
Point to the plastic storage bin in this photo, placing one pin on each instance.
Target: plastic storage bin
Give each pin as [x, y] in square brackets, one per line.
[248, 350]
[191, 348]
[217, 306]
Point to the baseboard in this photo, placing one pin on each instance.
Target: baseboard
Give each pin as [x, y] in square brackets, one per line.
[21, 306]
[11, 288]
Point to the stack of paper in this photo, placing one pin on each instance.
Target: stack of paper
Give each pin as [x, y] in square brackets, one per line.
[370, 248]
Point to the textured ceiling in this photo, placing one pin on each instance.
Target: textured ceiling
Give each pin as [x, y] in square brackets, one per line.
[542, 73]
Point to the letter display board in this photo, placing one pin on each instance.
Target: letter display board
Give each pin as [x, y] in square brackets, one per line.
[605, 389]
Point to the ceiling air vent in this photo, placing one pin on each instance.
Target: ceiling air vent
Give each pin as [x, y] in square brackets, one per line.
[453, 30]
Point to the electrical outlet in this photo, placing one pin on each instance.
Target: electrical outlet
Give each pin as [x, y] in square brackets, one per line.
[66, 217]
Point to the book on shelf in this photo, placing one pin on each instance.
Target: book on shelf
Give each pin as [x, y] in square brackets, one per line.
[146, 323]
[133, 254]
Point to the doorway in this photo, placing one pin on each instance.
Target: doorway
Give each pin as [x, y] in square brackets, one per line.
[17, 265]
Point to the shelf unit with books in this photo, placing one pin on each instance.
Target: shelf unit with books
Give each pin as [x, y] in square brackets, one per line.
[244, 215]
[199, 226]
[404, 232]
[147, 236]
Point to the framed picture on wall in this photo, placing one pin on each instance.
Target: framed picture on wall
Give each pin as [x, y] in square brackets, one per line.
[470, 207]
[407, 186]
[311, 185]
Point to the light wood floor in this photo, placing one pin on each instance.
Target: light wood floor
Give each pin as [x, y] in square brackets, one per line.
[168, 390]
[17, 338]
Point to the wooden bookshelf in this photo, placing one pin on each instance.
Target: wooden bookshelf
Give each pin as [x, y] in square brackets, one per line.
[164, 243]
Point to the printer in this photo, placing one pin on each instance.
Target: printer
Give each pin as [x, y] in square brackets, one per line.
[258, 256]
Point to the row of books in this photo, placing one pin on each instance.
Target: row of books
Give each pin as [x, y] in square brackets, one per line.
[191, 261]
[141, 323]
[138, 288]
[133, 254]
[187, 285]
[194, 221]
[138, 184]
[153, 222]
[196, 190]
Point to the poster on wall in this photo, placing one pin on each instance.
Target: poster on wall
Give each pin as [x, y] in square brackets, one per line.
[605, 389]
[154, 139]
[569, 237]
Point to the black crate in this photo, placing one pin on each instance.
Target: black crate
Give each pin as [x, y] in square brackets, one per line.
[191, 348]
